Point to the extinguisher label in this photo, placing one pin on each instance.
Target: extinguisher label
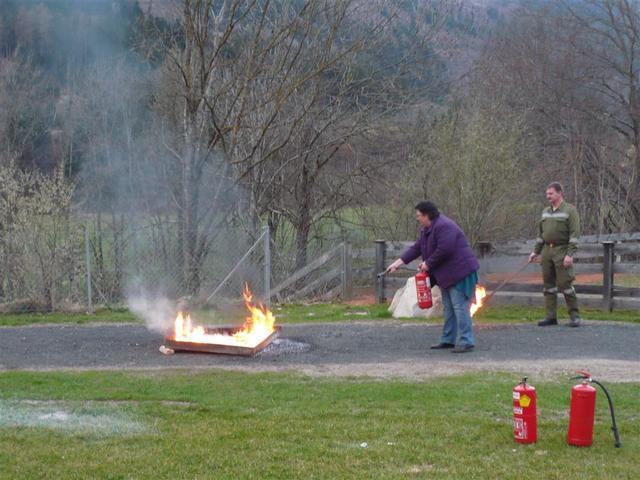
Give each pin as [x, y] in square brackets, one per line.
[525, 401]
[516, 395]
[519, 428]
[517, 410]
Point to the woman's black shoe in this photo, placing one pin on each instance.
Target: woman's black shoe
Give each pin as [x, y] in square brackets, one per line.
[442, 346]
[462, 349]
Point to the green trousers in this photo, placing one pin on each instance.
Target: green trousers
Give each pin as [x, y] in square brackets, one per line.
[557, 278]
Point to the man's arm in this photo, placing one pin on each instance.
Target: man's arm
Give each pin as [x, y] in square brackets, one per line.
[537, 249]
[574, 232]
[539, 241]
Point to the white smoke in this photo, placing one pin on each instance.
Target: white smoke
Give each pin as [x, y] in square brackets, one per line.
[158, 312]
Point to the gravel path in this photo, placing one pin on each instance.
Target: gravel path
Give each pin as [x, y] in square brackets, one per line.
[377, 349]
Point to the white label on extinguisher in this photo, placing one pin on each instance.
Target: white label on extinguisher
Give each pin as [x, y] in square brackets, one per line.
[517, 410]
[516, 395]
[519, 428]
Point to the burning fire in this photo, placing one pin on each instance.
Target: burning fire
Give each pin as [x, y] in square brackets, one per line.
[481, 292]
[257, 326]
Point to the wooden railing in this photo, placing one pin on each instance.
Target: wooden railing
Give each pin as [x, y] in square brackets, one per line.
[337, 281]
[608, 256]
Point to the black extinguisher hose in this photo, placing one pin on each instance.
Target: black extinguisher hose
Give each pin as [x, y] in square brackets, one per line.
[614, 427]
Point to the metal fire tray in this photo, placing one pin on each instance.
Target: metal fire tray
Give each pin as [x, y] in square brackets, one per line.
[218, 348]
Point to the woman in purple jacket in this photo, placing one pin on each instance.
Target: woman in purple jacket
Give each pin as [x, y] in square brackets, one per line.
[452, 265]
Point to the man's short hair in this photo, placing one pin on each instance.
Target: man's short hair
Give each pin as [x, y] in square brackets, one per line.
[557, 186]
[429, 209]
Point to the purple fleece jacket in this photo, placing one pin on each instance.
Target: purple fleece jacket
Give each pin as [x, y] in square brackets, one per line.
[446, 250]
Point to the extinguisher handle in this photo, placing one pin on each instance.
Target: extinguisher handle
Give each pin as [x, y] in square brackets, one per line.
[583, 374]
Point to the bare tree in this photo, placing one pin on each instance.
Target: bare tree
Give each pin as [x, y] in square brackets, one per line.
[324, 150]
[243, 81]
[564, 68]
[39, 238]
[606, 35]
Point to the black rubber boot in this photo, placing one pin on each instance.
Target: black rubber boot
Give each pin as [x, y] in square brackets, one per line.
[547, 321]
[575, 320]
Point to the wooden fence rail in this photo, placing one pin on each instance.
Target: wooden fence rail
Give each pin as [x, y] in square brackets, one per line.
[341, 277]
[606, 255]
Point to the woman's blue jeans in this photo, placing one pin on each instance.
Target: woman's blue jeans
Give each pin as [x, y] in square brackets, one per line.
[457, 318]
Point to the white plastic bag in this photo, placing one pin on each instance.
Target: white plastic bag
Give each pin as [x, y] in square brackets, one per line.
[405, 302]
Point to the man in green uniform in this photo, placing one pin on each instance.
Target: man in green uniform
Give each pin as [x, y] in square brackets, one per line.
[556, 244]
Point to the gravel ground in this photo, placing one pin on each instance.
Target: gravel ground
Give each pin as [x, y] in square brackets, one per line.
[376, 349]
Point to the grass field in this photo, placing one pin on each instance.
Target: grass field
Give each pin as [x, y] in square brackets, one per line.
[236, 425]
[323, 312]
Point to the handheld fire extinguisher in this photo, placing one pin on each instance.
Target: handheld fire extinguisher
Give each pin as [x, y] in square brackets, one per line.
[525, 422]
[583, 409]
[423, 290]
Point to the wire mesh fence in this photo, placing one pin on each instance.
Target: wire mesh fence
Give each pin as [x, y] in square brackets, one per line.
[99, 260]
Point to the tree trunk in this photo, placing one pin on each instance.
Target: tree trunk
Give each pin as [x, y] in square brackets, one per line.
[302, 242]
[189, 230]
[303, 219]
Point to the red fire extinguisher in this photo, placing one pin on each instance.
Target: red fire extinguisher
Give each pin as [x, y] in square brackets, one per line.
[583, 410]
[525, 423]
[423, 290]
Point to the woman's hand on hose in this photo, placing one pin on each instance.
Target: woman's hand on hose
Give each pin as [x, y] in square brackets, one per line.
[394, 266]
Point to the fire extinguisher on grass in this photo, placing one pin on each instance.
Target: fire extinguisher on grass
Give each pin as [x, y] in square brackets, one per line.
[525, 423]
[423, 290]
[583, 409]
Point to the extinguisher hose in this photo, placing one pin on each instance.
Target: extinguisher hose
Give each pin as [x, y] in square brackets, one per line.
[614, 427]
[506, 280]
[386, 272]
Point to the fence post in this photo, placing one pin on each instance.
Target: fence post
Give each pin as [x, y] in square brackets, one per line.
[381, 262]
[267, 266]
[88, 267]
[9, 291]
[484, 249]
[607, 278]
[347, 276]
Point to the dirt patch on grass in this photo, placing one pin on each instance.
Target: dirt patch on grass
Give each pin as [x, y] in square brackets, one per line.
[88, 418]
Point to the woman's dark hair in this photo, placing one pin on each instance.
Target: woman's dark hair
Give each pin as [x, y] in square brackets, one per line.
[429, 209]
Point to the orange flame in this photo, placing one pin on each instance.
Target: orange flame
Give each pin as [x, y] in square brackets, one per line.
[257, 326]
[481, 293]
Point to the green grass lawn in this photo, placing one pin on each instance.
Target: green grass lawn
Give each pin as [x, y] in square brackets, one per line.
[102, 315]
[514, 313]
[293, 313]
[235, 425]
[322, 312]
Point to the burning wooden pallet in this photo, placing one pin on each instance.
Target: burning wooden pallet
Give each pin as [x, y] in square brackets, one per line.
[258, 331]
[227, 346]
